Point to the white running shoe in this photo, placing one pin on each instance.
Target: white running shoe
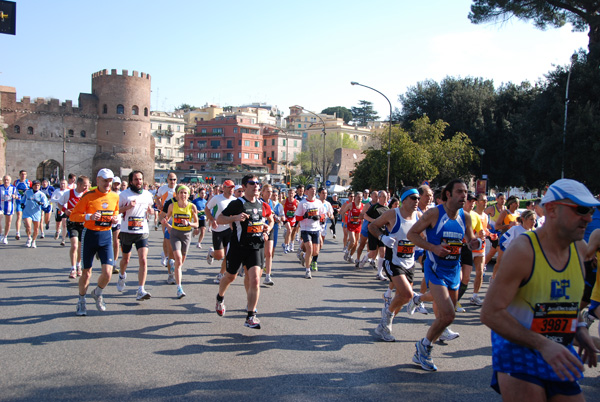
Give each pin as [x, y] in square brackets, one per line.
[384, 334]
[121, 285]
[209, 256]
[198, 245]
[449, 335]
[142, 295]
[218, 278]
[28, 242]
[33, 245]
[422, 309]
[476, 301]
[5, 240]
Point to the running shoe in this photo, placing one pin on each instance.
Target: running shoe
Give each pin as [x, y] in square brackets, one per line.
[587, 317]
[283, 246]
[28, 242]
[56, 235]
[449, 335]
[42, 235]
[81, 308]
[268, 281]
[18, 236]
[357, 266]
[100, 305]
[476, 301]
[302, 261]
[307, 275]
[5, 240]
[218, 278]
[422, 357]
[459, 308]
[380, 277]
[121, 285]
[346, 254]
[422, 309]
[252, 322]
[314, 266]
[33, 244]
[373, 265]
[171, 279]
[198, 245]
[79, 273]
[164, 260]
[220, 308]
[241, 272]
[387, 301]
[180, 292]
[47, 226]
[142, 295]
[384, 334]
[386, 318]
[62, 242]
[209, 256]
[411, 307]
[73, 274]
[334, 236]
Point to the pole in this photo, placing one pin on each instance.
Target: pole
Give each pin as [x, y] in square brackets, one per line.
[389, 152]
[564, 139]
[324, 134]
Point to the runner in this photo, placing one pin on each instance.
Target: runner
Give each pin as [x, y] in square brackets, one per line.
[322, 192]
[354, 224]
[61, 228]
[532, 305]
[98, 209]
[71, 181]
[221, 234]
[74, 229]
[116, 227]
[163, 194]
[9, 195]
[200, 203]
[506, 220]
[308, 216]
[494, 212]
[479, 254]
[22, 185]
[426, 202]
[249, 233]
[184, 217]
[33, 203]
[336, 205]
[375, 247]
[265, 196]
[135, 203]
[445, 227]
[399, 260]
[364, 231]
[289, 208]
[344, 216]
[48, 190]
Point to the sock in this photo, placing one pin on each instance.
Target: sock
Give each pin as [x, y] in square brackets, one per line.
[380, 267]
[475, 295]
[425, 342]
[81, 297]
[73, 267]
[315, 258]
[98, 291]
[220, 298]
[417, 299]
[388, 293]
[141, 289]
[250, 314]
[462, 289]
[123, 276]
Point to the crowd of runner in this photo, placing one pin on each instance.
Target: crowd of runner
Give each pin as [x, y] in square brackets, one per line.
[543, 296]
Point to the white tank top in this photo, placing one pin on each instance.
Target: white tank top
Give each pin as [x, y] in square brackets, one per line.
[403, 253]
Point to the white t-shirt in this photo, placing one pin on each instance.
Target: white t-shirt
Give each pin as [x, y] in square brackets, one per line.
[57, 196]
[216, 205]
[135, 220]
[311, 208]
[164, 193]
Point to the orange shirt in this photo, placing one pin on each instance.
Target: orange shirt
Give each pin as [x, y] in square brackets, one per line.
[93, 201]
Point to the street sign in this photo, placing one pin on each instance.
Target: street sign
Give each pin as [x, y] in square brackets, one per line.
[328, 183]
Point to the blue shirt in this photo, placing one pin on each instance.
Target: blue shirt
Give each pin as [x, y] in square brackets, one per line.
[449, 233]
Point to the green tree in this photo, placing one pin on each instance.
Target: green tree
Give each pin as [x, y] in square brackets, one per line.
[582, 14]
[186, 107]
[311, 159]
[364, 113]
[340, 111]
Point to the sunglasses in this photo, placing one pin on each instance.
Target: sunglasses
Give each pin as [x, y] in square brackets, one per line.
[415, 198]
[253, 182]
[172, 179]
[579, 209]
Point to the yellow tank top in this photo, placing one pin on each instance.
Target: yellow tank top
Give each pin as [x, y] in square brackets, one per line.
[548, 302]
[179, 214]
[510, 217]
[495, 216]
[596, 292]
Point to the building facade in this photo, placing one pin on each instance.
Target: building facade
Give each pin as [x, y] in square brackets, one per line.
[168, 130]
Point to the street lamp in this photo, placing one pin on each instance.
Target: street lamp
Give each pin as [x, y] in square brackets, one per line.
[481, 152]
[389, 153]
[573, 60]
[324, 134]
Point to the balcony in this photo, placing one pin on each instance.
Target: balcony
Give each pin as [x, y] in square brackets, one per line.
[163, 158]
[168, 133]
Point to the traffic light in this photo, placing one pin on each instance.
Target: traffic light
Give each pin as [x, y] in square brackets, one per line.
[270, 160]
[351, 174]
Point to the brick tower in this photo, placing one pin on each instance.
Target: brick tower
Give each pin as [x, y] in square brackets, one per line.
[124, 142]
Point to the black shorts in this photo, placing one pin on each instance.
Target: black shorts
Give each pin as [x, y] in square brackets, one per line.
[74, 229]
[466, 256]
[374, 243]
[116, 227]
[201, 223]
[392, 270]
[129, 239]
[248, 257]
[494, 242]
[590, 280]
[272, 234]
[310, 236]
[221, 239]
[59, 217]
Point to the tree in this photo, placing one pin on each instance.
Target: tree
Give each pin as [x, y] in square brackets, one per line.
[364, 114]
[340, 111]
[186, 107]
[311, 159]
[582, 14]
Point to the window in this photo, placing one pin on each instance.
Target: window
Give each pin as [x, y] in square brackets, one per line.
[304, 135]
[203, 131]
[82, 133]
[17, 130]
[158, 139]
[159, 151]
[246, 156]
[273, 141]
[30, 130]
[246, 143]
[229, 144]
[284, 143]
[254, 131]
[299, 125]
[264, 154]
[71, 133]
[159, 127]
[283, 155]
[229, 156]
[295, 143]
[244, 130]
[135, 110]
[215, 144]
[215, 155]
[255, 156]
[120, 109]
[104, 109]
[191, 144]
[169, 127]
[145, 111]
[256, 144]
[240, 144]
[235, 130]
[168, 140]
[201, 144]
[239, 155]
[217, 130]
[273, 154]
[265, 143]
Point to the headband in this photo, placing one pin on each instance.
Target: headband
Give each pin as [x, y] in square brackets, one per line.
[408, 192]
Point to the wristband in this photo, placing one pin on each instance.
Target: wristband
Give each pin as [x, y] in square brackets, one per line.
[581, 324]
[88, 217]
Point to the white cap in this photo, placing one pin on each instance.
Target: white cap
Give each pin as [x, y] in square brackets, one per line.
[237, 187]
[117, 179]
[105, 174]
[570, 189]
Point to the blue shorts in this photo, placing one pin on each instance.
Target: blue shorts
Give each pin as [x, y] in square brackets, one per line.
[443, 276]
[552, 388]
[8, 208]
[364, 230]
[419, 253]
[310, 236]
[18, 207]
[594, 304]
[167, 234]
[94, 241]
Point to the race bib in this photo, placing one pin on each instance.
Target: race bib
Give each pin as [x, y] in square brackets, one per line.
[135, 223]
[312, 212]
[405, 249]
[556, 321]
[454, 247]
[179, 220]
[105, 218]
[254, 227]
[290, 214]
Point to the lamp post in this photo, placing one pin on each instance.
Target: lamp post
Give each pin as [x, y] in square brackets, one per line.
[389, 153]
[324, 134]
[564, 140]
[481, 153]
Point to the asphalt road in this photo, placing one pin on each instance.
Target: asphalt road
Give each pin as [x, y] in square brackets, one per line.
[317, 340]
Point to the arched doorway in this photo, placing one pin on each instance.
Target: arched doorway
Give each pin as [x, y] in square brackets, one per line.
[51, 170]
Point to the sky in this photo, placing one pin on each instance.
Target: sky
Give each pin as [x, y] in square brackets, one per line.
[281, 53]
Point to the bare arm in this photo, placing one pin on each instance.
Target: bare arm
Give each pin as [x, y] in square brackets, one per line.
[387, 219]
[592, 245]
[428, 219]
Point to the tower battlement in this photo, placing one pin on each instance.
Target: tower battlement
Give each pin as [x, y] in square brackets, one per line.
[124, 73]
